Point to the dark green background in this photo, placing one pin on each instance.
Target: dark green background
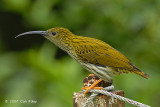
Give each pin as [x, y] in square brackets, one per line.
[32, 68]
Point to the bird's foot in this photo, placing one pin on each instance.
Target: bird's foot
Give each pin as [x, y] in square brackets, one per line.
[92, 86]
[89, 88]
[93, 82]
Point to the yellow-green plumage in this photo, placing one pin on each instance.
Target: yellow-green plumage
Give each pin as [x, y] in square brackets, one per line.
[94, 55]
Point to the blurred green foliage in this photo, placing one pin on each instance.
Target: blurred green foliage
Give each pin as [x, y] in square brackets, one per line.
[32, 68]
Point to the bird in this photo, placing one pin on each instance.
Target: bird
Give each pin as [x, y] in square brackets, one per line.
[92, 54]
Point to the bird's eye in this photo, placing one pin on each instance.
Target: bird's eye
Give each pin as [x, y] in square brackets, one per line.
[53, 33]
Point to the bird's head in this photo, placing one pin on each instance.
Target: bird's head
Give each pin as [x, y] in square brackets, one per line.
[55, 35]
[58, 33]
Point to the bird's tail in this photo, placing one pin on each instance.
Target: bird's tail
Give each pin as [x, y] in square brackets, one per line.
[133, 69]
[139, 72]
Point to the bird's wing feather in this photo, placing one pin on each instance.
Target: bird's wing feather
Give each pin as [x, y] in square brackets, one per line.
[99, 53]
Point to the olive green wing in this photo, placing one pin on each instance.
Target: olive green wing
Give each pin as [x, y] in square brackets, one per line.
[99, 53]
[103, 56]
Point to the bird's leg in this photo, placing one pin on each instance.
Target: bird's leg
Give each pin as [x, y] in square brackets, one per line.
[91, 75]
[93, 86]
[90, 83]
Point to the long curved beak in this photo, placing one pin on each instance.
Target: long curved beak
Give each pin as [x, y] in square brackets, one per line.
[33, 32]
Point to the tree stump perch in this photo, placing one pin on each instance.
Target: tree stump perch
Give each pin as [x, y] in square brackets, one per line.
[79, 99]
